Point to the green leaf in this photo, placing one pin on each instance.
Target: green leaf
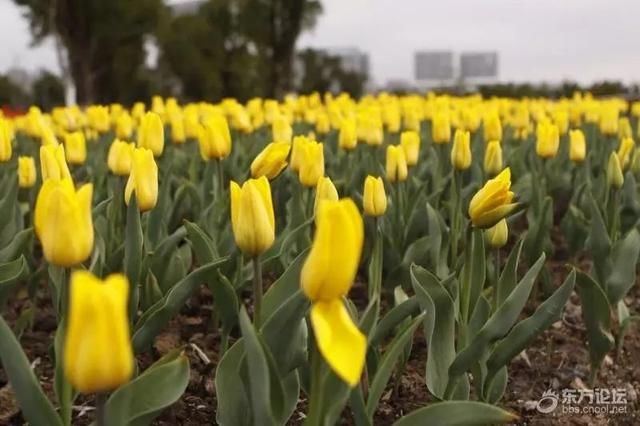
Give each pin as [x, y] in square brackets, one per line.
[142, 399]
[596, 316]
[283, 287]
[36, 408]
[439, 328]
[225, 300]
[231, 393]
[539, 229]
[624, 257]
[509, 276]
[473, 275]
[599, 243]
[159, 315]
[457, 413]
[203, 246]
[375, 267]
[388, 363]
[526, 330]
[370, 316]
[498, 324]
[258, 372]
[133, 252]
[392, 319]
[10, 272]
[159, 215]
[8, 205]
[17, 245]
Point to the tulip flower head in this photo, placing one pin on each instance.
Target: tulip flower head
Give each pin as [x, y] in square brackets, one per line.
[327, 275]
[143, 179]
[281, 129]
[215, 138]
[410, 142]
[75, 148]
[547, 140]
[26, 172]
[6, 141]
[615, 178]
[348, 137]
[441, 128]
[374, 197]
[625, 151]
[493, 158]
[151, 134]
[53, 164]
[325, 190]
[252, 217]
[98, 356]
[577, 146]
[493, 201]
[311, 166]
[124, 126]
[119, 157]
[497, 236]
[492, 127]
[271, 161]
[63, 222]
[396, 164]
[461, 150]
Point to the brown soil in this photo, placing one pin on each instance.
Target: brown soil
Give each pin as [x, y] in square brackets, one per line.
[556, 360]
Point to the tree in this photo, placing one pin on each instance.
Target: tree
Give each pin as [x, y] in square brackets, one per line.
[321, 72]
[100, 43]
[47, 91]
[12, 94]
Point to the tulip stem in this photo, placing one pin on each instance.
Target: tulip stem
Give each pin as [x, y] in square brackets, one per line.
[257, 291]
[314, 414]
[220, 171]
[101, 399]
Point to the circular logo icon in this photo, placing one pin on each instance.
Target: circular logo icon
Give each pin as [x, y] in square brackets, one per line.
[548, 403]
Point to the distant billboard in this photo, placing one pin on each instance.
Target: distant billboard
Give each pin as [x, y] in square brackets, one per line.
[434, 65]
[479, 64]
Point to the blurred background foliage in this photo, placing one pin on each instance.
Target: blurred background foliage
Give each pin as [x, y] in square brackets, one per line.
[226, 48]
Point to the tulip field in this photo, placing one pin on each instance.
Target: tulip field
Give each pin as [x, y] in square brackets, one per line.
[392, 260]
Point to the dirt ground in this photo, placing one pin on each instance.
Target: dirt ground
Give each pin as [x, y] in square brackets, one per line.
[557, 360]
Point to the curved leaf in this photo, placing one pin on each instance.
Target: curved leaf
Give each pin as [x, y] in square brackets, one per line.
[457, 413]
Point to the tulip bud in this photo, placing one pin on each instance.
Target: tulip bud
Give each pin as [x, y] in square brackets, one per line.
[493, 201]
[374, 197]
[615, 178]
[325, 190]
[281, 129]
[625, 150]
[461, 150]
[577, 146]
[177, 129]
[323, 125]
[396, 165]
[75, 148]
[441, 128]
[151, 133]
[215, 138]
[492, 127]
[53, 164]
[63, 222]
[496, 236]
[609, 121]
[26, 172]
[311, 163]
[410, 142]
[548, 140]
[47, 137]
[412, 120]
[271, 161]
[98, 356]
[119, 157]
[6, 141]
[252, 217]
[124, 126]
[327, 275]
[143, 179]
[348, 138]
[624, 128]
[493, 158]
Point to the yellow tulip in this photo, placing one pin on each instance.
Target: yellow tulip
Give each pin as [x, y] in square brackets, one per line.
[609, 121]
[547, 140]
[26, 172]
[577, 146]
[325, 190]
[151, 133]
[281, 129]
[124, 126]
[6, 141]
[119, 157]
[412, 120]
[497, 236]
[374, 197]
[296, 151]
[252, 217]
[177, 129]
[75, 148]
[98, 356]
[327, 275]
[396, 164]
[143, 179]
[410, 142]
[271, 161]
[624, 128]
[348, 137]
[53, 164]
[492, 127]
[311, 163]
[625, 150]
[493, 201]
[461, 150]
[47, 136]
[615, 178]
[215, 138]
[323, 124]
[441, 128]
[63, 222]
[561, 119]
[191, 123]
[493, 158]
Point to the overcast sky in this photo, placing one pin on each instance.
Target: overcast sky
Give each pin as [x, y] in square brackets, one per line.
[538, 40]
